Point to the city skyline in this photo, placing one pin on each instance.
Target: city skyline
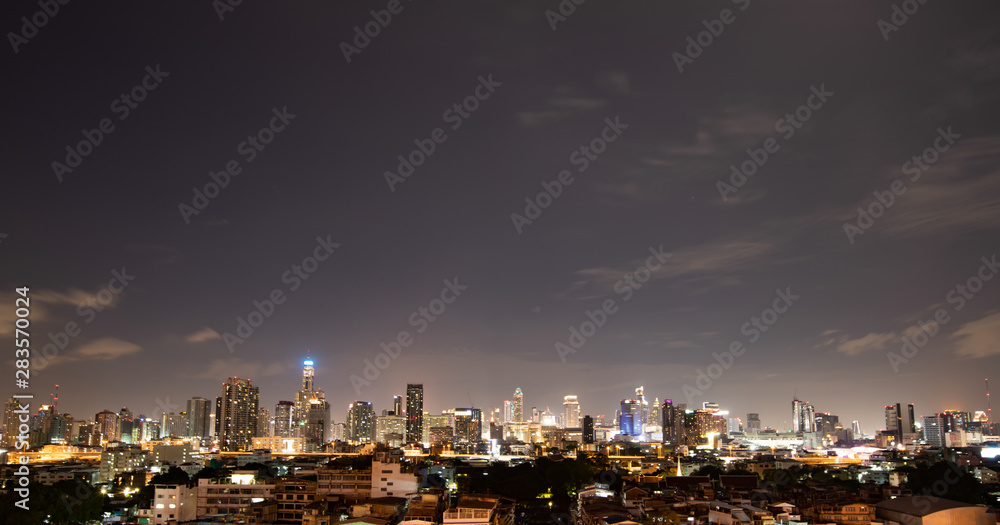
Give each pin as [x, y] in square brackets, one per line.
[782, 424]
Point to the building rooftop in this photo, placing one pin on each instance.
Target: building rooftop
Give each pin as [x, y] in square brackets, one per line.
[920, 506]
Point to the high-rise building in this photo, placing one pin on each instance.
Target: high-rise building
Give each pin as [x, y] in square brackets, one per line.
[311, 413]
[433, 421]
[173, 424]
[934, 431]
[803, 417]
[125, 425]
[508, 411]
[283, 419]
[468, 425]
[753, 422]
[360, 422]
[216, 417]
[106, 422]
[827, 423]
[630, 421]
[237, 418]
[10, 423]
[414, 413]
[894, 421]
[671, 422]
[198, 415]
[391, 430]
[313, 427]
[518, 411]
[808, 418]
[397, 405]
[263, 423]
[588, 429]
[910, 426]
[571, 412]
[640, 417]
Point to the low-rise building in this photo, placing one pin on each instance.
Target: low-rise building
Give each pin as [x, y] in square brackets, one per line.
[293, 494]
[232, 496]
[344, 481]
[932, 511]
[174, 504]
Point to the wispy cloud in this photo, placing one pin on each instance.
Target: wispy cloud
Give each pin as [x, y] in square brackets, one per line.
[958, 194]
[716, 260]
[205, 334]
[237, 367]
[980, 338]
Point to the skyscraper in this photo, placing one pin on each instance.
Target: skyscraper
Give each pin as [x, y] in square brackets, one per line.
[310, 402]
[237, 417]
[796, 415]
[588, 429]
[894, 421]
[263, 423]
[934, 431]
[639, 418]
[10, 423]
[314, 425]
[571, 409]
[630, 421]
[397, 405]
[808, 418]
[106, 422]
[753, 421]
[671, 422]
[283, 418]
[360, 422]
[198, 415]
[518, 405]
[468, 425]
[125, 425]
[414, 412]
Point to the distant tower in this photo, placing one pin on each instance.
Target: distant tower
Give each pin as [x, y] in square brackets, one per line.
[414, 413]
[571, 409]
[796, 415]
[198, 415]
[237, 417]
[588, 429]
[283, 418]
[397, 405]
[518, 405]
[308, 373]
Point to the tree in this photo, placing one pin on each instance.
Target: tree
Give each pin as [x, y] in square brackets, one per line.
[944, 479]
[711, 471]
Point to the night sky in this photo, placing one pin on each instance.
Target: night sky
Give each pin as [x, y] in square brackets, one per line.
[542, 94]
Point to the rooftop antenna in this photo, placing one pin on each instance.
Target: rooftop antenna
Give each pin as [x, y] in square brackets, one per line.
[55, 398]
[989, 408]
